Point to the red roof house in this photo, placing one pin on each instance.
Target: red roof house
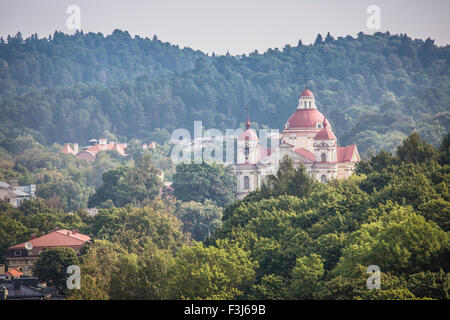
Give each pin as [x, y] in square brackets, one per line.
[14, 273]
[23, 255]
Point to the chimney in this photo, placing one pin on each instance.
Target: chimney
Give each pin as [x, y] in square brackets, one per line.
[32, 236]
[75, 231]
[75, 147]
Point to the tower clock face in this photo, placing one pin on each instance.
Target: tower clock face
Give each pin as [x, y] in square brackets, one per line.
[246, 150]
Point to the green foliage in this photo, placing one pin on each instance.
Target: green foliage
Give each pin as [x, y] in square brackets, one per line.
[51, 267]
[271, 287]
[294, 238]
[200, 182]
[399, 241]
[415, 150]
[64, 181]
[33, 216]
[288, 180]
[222, 272]
[140, 277]
[307, 277]
[199, 219]
[435, 285]
[97, 264]
[376, 91]
[392, 213]
[135, 227]
[129, 185]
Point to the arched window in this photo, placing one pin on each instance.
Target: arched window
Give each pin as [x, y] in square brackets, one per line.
[246, 183]
[323, 157]
[323, 178]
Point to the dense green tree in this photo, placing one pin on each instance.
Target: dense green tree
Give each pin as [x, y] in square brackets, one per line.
[415, 150]
[307, 277]
[12, 231]
[289, 180]
[140, 277]
[200, 182]
[390, 87]
[51, 267]
[294, 237]
[271, 287]
[199, 272]
[129, 185]
[199, 219]
[435, 285]
[135, 227]
[97, 264]
[444, 157]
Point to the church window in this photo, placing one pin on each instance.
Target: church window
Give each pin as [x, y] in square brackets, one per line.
[247, 150]
[323, 157]
[323, 178]
[246, 182]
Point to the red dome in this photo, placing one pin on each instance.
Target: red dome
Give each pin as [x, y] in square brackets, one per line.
[305, 118]
[249, 135]
[306, 93]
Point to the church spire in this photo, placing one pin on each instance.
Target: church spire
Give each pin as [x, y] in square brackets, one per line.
[247, 124]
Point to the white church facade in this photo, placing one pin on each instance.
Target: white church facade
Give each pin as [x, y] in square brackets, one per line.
[307, 137]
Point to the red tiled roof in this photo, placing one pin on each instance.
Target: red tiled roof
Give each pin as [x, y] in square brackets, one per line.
[325, 133]
[14, 273]
[119, 147]
[248, 134]
[345, 154]
[59, 238]
[305, 153]
[302, 118]
[68, 149]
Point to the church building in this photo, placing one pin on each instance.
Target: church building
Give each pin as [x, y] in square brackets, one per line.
[306, 137]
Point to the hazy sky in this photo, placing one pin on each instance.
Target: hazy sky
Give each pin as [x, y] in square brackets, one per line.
[239, 26]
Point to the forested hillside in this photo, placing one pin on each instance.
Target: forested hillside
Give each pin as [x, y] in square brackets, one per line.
[375, 89]
[294, 238]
